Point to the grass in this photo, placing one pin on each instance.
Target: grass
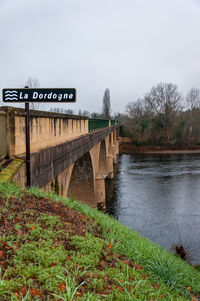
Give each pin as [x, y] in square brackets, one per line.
[52, 248]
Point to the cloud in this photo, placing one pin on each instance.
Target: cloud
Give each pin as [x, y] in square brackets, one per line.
[126, 46]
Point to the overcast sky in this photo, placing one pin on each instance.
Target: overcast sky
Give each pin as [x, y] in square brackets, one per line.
[124, 45]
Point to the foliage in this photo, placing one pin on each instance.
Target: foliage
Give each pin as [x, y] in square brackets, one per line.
[161, 119]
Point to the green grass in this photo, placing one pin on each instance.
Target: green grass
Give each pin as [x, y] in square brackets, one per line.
[120, 265]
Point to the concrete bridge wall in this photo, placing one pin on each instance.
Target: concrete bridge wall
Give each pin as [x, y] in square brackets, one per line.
[46, 129]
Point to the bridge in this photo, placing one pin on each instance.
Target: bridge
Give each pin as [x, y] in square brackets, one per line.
[71, 155]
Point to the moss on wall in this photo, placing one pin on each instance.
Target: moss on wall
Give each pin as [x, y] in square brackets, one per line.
[8, 173]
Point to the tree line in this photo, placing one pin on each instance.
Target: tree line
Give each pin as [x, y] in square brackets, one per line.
[164, 117]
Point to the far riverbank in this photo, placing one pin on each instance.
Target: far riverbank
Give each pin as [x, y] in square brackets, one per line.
[127, 147]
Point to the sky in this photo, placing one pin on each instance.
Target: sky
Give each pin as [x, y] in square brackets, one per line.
[127, 46]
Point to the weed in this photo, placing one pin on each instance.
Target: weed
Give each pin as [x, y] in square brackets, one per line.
[68, 287]
[183, 249]
[17, 226]
[17, 297]
[7, 190]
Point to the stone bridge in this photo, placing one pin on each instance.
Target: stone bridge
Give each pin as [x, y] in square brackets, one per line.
[71, 155]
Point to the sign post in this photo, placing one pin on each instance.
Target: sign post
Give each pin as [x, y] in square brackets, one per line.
[28, 154]
[29, 95]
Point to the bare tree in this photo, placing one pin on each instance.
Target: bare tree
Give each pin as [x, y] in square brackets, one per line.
[106, 104]
[96, 115]
[62, 111]
[135, 109]
[69, 111]
[163, 99]
[33, 83]
[152, 119]
[192, 120]
[193, 99]
[163, 103]
[84, 113]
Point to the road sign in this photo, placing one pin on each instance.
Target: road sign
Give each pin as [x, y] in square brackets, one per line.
[39, 95]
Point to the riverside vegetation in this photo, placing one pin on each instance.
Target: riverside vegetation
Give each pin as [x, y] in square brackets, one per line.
[163, 117]
[53, 248]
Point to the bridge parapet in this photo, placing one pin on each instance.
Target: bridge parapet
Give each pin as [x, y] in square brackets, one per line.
[97, 124]
[46, 129]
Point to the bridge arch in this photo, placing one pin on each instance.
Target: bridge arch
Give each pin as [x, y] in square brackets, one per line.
[81, 184]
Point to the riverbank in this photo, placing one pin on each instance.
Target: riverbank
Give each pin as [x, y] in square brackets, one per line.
[53, 248]
[127, 147]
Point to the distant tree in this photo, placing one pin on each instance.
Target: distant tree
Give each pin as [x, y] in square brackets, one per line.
[33, 83]
[96, 115]
[162, 104]
[56, 110]
[119, 116]
[106, 111]
[163, 99]
[62, 111]
[84, 113]
[135, 109]
[68, 111]
[193, 99]
[154, 119]
[192, 115]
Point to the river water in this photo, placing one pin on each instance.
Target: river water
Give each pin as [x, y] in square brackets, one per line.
[150, 191]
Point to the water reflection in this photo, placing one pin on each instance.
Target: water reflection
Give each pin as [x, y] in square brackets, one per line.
[150, 190]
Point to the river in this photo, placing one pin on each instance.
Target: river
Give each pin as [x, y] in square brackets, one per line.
[159, 197]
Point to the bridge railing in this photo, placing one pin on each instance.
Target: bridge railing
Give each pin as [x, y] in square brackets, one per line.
[97, 124]
[113, 122]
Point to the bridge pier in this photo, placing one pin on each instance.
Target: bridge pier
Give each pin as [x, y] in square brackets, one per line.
[115, 151]
[64, 179]
[100, 192]
[110, 166]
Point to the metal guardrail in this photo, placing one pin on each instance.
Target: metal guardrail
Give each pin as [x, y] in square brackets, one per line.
[113, 122]
[96, 124]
